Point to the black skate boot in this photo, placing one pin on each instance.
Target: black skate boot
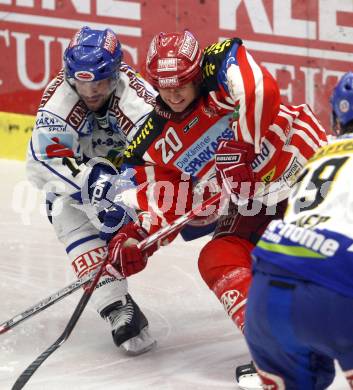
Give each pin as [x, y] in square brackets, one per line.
[247, 377]
[129, 326]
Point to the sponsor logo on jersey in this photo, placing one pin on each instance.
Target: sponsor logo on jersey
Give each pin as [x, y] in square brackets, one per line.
[84, 75]
[89, 260]
[138, 85]
[50, 122]
[312, 220]
[267, 177]
[209, 69]
[291, 174]
[119, 121]
[107, 281]
[191, 124]
[49, 92]
[147, 128]
[341, 147]
[77, 115]
[218, 47]
[266, 152]
[287, 233]
[193, 159]
[56, 146]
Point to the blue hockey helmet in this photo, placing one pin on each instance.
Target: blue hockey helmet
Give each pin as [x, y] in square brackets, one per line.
[342, 100]
[93, 55]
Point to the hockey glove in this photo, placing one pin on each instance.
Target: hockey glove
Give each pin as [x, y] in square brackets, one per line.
[124, 255]
[114, 219]
[233, 167]
[99, 183]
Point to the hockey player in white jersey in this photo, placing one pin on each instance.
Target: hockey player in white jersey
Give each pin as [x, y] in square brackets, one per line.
[91, 109]
[299, 315]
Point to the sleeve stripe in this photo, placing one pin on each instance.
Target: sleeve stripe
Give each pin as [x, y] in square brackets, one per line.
[314, 133]
[279, 132]
[308, 111]
[238, 94]
[259, 98]
[53, 170]
[304, 136]
[219, 103]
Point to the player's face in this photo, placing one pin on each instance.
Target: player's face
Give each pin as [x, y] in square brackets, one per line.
[94, 93]
[179, 98]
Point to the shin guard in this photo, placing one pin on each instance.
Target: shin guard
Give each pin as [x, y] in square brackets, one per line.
[232, 290]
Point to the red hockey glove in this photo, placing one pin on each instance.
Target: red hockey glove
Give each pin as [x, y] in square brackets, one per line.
[233, 166]
[124, 255]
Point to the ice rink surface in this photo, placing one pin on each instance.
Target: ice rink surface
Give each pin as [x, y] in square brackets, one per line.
[198, 346]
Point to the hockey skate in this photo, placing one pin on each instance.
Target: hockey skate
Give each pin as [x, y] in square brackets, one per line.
[129, 326]
[247, 378]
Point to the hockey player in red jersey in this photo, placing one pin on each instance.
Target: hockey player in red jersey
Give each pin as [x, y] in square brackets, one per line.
[218, 116]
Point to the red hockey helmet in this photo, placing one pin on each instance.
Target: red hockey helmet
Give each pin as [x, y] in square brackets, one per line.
[173, 59]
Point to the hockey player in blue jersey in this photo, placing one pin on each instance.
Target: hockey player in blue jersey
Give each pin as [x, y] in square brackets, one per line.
[299, 316]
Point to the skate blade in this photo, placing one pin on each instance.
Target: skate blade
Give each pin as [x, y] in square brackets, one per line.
[139, 344]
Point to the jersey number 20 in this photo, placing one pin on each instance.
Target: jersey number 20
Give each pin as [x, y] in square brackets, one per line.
[169, 145]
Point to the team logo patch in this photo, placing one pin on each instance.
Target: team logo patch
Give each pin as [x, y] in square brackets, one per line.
[344, 105]
[227, 158]
[84, 75]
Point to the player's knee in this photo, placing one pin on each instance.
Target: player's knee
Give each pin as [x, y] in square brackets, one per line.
[208, 260]
[222, 255]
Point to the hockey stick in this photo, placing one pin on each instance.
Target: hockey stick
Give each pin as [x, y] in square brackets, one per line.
[46, 302]
[32, 368]
[179, 222]
[74, 286]
[147, 242]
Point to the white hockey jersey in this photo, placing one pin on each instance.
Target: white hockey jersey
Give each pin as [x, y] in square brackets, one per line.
[66, 134]
[315, 239]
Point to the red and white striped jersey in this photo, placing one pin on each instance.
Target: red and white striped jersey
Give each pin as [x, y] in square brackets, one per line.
[240, 99]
